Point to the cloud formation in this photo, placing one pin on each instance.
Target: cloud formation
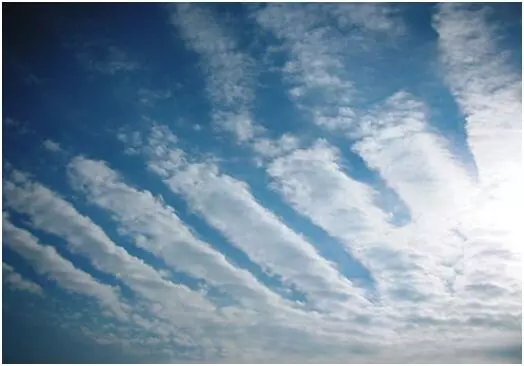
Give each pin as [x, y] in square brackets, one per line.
[14, 280]
[47, 261]
[332, 222]
[106, 59]
[51, 145]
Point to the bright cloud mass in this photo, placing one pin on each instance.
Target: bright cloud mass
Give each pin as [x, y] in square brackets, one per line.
[206, 182]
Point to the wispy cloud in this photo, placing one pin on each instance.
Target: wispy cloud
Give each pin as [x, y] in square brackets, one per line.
[104, 58]
[20, 127]
[149, 97]
[14, 280]
[317, 71]
[51, 145]
[229, 71]
[272, 148]
[278, 241]
[155, 227]
[376, 18]
[487, 88]
[315, 186]
[51, 213]
[223, 200]
[47, 261]
[226, 67]
[397, 141]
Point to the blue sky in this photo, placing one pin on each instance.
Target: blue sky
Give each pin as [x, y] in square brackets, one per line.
[262, 183]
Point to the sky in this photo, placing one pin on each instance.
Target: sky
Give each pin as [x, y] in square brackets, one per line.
[331, 182]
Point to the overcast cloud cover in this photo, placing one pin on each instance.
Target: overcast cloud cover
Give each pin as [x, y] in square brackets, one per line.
[262, 183]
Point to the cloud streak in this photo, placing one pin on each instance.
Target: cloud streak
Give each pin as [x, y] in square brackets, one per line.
[156, 228]
[228, 71]
[334, 221]
[223, 200]
[48, 262]
[49, 212]
[15, 281]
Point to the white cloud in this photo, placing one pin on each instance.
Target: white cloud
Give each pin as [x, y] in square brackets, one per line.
[51, 145]
[488, 91]
[165, 303]
[315, 72]
[273, 148]
[448, 282]
[321, 40]
[380, 18]
[155, 227]
[313, 184]
[447, 248]
[47, 261]
[14, 280]
[228, 205]
[139, 214]
[228, 70]
[51, 213]
[397, 142]
[487, 88]
[230, 77]
[239, 123]
[226, 67]
[132, 140]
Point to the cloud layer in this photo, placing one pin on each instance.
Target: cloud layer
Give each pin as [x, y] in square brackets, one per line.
[307, 218]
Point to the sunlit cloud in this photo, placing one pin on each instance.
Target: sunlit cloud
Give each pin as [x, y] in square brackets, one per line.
[248, 183]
